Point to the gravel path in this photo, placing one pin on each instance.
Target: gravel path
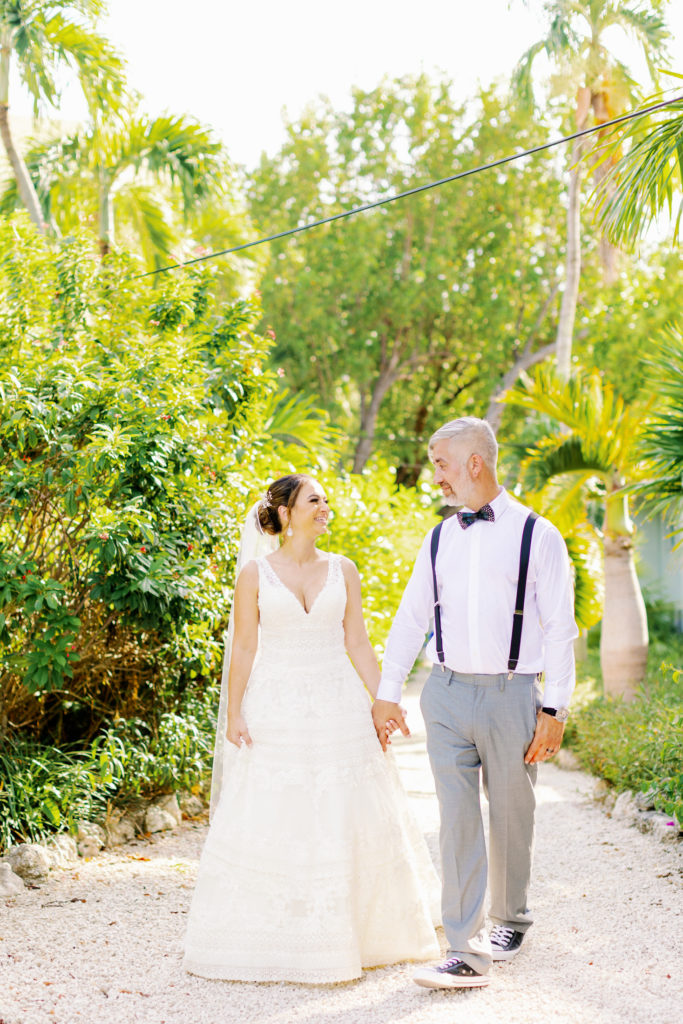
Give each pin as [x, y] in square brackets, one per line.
[101, 944]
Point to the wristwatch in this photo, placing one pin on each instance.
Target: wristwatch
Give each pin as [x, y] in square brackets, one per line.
[561, 714]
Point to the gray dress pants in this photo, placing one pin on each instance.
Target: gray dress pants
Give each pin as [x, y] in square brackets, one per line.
[487, 722]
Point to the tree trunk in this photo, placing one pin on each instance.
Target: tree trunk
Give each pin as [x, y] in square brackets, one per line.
[27, 192]
[609, 254]
[494, 413]
[624, 639]
[572, 276]
[368, 418]
[106, 215]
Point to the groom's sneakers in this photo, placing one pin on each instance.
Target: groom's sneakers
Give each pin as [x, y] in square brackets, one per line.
[505, 942]
[452, 973]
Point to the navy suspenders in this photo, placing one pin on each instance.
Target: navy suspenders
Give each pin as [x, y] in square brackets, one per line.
[518, 616]
[437, 607]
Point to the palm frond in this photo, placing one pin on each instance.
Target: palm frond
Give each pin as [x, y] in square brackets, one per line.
[292, 419]
[141, 208]
[662, 439]
[100, 68]
[586, 554]
[650, 29]
[174, 147]
[522, 76]
[559, 456]
[645, 180]
[602, 427]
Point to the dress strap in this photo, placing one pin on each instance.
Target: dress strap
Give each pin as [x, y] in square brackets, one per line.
[266, 570]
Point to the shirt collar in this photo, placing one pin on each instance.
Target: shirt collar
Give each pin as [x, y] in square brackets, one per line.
[499, 504]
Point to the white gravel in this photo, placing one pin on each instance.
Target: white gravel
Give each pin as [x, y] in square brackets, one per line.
[101, 944]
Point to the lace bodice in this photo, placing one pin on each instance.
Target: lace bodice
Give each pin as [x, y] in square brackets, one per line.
[287, 628]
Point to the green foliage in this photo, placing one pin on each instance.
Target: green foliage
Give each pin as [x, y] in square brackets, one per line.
[621, 328]
[138, 178]
[380, 527]
[662, 439]
[47, 35]
[421, 306]
[639, 745]
[132, 427]
[646, 179]
[46, 789]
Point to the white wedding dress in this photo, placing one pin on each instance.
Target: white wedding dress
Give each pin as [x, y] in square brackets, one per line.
[313, 867]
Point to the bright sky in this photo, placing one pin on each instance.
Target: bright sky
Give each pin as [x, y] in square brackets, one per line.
[237, 66]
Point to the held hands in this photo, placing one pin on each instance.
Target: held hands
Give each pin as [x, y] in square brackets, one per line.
[387, 717]
[547, 739]
[237, 731]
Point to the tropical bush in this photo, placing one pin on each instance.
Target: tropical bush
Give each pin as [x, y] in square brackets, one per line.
[636, 745]
[45, 788]
[129, 436]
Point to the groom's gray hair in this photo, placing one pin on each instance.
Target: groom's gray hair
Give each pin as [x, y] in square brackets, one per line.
[478, 432]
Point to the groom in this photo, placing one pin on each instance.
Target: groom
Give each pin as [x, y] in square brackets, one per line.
[482, 703]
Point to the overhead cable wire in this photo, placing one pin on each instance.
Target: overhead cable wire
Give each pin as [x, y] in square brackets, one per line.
[415, 191]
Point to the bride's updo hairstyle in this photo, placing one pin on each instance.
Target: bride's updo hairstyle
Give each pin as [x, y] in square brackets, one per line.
[282, 492]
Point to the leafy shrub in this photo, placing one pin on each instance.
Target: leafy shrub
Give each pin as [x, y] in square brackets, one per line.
[130, 434]
[637, 745]
[45, 789]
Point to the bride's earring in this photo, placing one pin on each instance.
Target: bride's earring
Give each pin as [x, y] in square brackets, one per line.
[290, 531]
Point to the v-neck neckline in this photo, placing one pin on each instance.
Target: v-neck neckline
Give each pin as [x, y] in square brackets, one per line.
[290, 591]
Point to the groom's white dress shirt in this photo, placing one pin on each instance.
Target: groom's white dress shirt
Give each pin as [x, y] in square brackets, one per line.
[477, 570]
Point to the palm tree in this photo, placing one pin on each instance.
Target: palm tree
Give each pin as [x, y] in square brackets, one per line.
[115, 169]
[575, 44]
[593, 454]
[41, 36]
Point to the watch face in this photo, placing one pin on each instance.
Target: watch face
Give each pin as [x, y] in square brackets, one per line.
[562, 714]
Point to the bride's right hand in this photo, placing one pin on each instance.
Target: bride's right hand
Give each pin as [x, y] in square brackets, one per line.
[238, 732]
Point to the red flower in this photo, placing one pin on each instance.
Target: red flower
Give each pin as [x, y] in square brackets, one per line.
[190, 547]
[143, 549]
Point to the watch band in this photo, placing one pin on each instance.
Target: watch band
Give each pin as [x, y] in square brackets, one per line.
[560, 714]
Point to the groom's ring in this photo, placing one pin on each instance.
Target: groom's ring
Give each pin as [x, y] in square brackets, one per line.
[550, 750]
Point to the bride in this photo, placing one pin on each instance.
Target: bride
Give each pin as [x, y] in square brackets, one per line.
[311, 836]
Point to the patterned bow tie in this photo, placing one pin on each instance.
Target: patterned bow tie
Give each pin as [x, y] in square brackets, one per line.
[467, 518]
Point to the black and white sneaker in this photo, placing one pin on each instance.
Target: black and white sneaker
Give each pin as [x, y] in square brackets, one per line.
[505, 942]
[452, 973]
